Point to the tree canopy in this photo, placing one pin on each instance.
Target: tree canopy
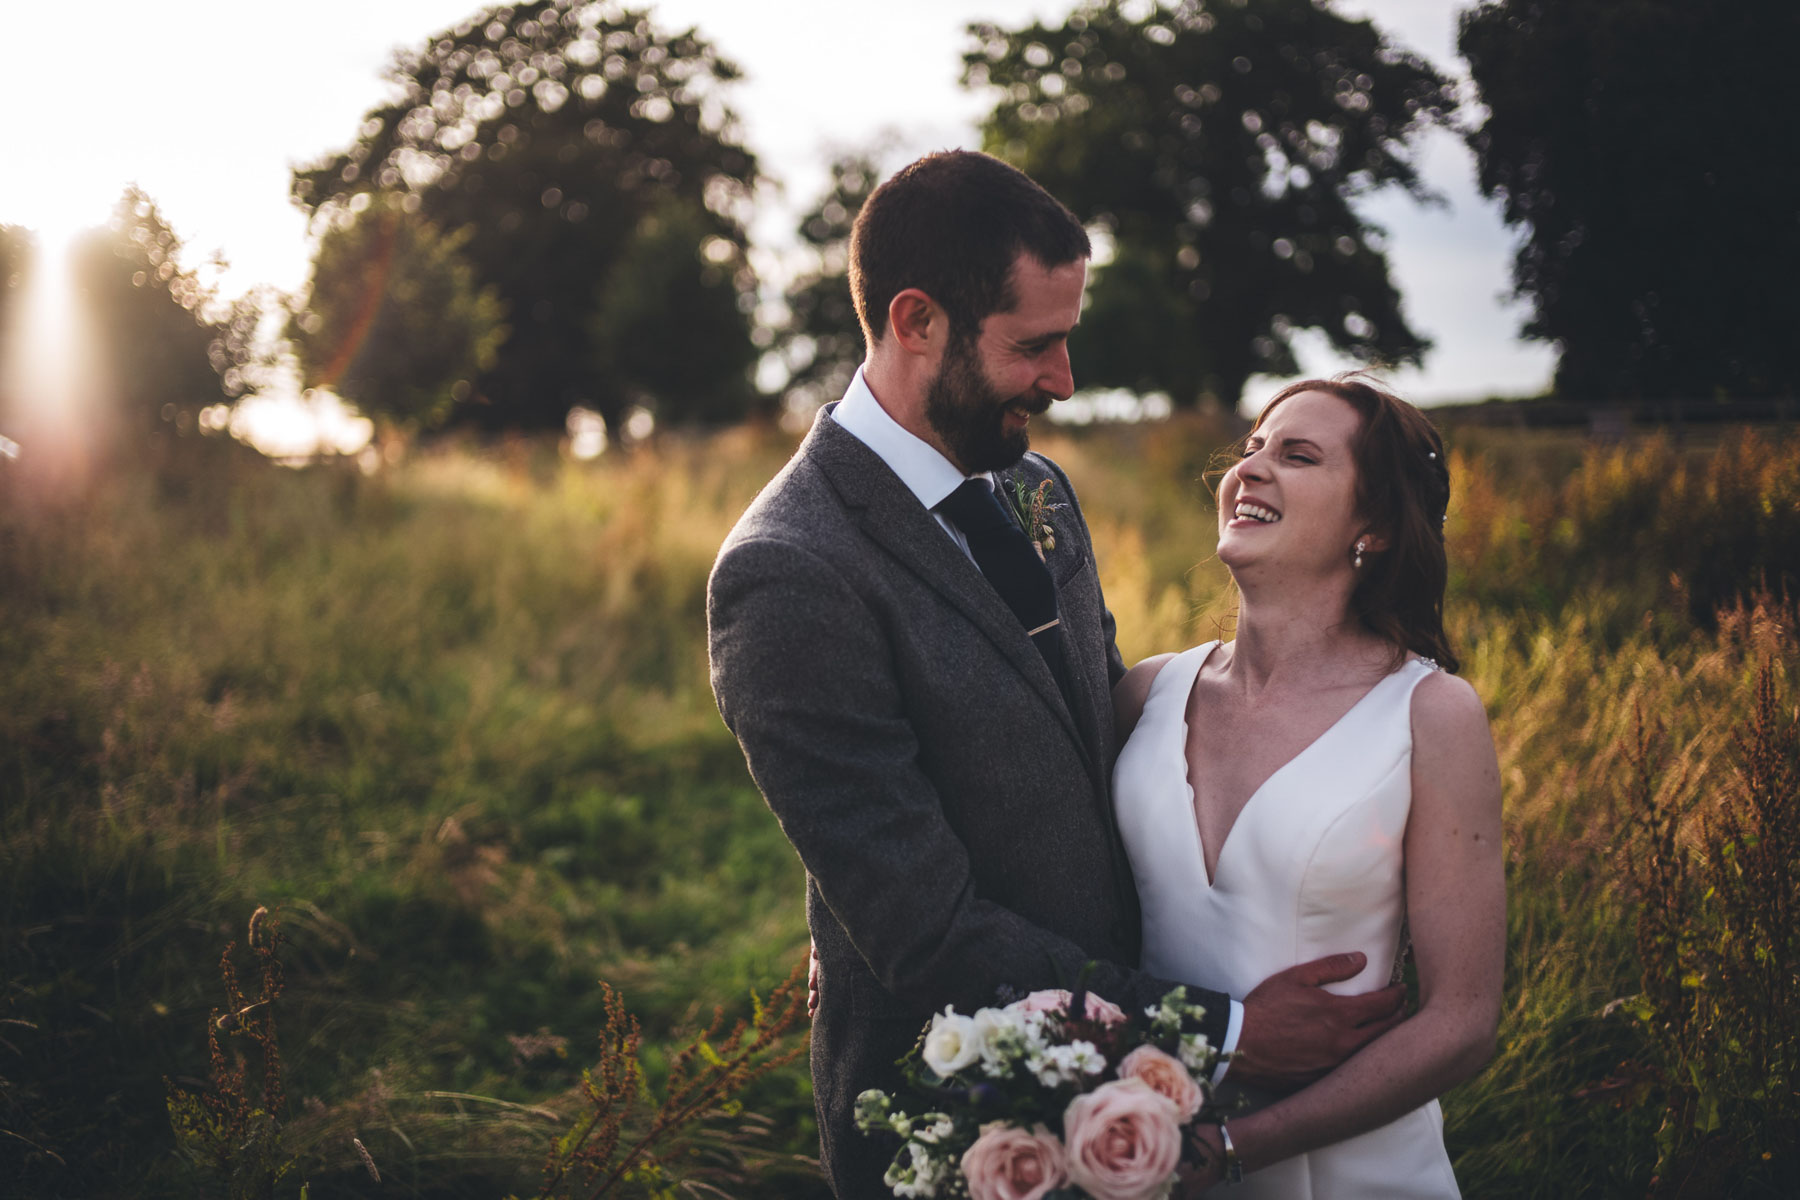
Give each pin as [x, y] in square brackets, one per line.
[1219, 146]
[1662, 228]
[558, 133]
[823, 342]
[146, 310]
[396, 321]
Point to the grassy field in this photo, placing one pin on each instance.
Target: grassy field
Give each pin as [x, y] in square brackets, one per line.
[452, 721]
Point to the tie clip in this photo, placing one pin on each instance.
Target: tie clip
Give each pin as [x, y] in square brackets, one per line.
[1041, 628]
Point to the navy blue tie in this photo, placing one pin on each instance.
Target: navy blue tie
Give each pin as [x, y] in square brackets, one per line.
[1011, 564]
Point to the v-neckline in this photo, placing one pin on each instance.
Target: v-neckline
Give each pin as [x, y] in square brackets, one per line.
[1211, 874]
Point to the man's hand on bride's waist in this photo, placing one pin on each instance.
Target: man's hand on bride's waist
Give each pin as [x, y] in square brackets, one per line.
[1295, 1031]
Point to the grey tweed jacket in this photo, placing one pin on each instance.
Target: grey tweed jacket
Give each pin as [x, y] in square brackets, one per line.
[953, 813]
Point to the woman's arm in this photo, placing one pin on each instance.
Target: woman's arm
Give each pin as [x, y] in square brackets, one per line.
[1456, 905]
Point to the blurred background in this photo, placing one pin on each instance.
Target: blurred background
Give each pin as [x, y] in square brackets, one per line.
[378, 381]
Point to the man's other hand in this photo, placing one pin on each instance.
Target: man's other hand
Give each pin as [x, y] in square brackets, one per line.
[1295, 1031]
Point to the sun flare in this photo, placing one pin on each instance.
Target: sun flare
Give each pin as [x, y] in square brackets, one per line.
[50, 389]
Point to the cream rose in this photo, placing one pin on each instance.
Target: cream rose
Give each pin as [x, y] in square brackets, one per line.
[952, 1043]
[1009, 1163]
[1167, 1077]
[1123, 1141]
[1057, 999]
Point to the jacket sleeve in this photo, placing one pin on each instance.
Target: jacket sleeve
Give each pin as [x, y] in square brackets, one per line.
[805, 678]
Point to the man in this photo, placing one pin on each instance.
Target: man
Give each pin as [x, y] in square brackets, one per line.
[921, 676]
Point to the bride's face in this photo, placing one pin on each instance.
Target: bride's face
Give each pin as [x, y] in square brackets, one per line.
[1287, 508]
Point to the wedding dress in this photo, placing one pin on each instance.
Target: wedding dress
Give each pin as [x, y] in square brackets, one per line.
[1313, 866]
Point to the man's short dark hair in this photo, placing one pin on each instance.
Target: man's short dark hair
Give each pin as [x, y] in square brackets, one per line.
[951, 225]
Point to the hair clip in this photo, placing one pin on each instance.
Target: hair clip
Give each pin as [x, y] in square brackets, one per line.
[1431, 454]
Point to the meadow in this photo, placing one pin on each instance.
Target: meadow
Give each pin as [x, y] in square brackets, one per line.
[450, 723]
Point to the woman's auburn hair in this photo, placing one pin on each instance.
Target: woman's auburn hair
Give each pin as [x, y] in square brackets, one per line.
[1402, 492]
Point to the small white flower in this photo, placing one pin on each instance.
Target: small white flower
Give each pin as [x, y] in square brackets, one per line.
[1196, 1051]
[1057, 1065]
[1046, 1069]
[1002, 1041]
[933, 1128]
[919, 1177]
[1086, 1058]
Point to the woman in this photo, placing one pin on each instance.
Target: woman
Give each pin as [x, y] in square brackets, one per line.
[1322, 783]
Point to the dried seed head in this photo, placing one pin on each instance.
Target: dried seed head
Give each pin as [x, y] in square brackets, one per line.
[235, 1020]
[256, 923]
[363, 1153]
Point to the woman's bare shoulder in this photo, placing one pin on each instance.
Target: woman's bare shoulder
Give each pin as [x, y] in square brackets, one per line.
[1455, 769]
[1447, 705]
[1133, 689]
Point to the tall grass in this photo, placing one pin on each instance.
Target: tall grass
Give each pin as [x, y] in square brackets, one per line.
[452, 720]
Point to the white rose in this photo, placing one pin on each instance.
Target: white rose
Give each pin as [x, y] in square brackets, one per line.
[952, 1043]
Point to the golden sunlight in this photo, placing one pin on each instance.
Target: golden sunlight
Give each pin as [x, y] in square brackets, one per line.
[50, 378]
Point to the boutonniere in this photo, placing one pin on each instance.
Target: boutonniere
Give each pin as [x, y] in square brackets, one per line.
[1030, 505]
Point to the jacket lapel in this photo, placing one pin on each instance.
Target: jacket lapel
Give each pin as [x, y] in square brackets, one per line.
[893, 518]
[1087, 712]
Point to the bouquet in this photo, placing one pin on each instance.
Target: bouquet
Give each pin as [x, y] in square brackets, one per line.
[1056, 1096]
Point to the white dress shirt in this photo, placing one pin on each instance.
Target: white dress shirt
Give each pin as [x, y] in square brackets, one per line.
[931, 477]
[924, 470]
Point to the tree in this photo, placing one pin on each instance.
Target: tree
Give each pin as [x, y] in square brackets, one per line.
[675, 270]
[554, 130]
[1659, 206]
[396, 321]
[823, 341]
[146, 315]
[1219, 146]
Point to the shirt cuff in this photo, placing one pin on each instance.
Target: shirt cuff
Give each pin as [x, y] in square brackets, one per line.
[1233, 1028]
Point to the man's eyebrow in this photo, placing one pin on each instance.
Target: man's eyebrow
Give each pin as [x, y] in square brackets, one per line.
[1044, 339]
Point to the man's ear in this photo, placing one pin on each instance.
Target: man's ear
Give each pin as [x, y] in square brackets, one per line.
[916, 321]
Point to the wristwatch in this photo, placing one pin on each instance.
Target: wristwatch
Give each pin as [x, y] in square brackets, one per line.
[1234, 1170]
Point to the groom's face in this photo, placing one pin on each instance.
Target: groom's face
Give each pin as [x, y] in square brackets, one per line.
[990, 384]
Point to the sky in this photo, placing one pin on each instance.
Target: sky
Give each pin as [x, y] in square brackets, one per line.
[207, 105]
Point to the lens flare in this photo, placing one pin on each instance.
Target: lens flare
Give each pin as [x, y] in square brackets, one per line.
[50, 384]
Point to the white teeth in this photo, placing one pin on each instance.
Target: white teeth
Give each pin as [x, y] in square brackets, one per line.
[1257, 512]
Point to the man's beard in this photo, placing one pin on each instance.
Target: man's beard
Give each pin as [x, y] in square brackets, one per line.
[964, 409]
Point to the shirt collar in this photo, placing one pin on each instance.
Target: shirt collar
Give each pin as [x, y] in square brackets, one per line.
[926, 473]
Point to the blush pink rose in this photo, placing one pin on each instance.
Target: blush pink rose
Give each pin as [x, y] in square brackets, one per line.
[1057, 999]
[1167, 1077]
[1123, 1141]
[1009, 1163]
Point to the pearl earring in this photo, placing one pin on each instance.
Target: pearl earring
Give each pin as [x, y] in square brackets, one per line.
[1357, 561]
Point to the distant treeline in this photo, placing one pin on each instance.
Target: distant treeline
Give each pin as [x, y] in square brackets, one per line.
[554, 213]
[1604, 419]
